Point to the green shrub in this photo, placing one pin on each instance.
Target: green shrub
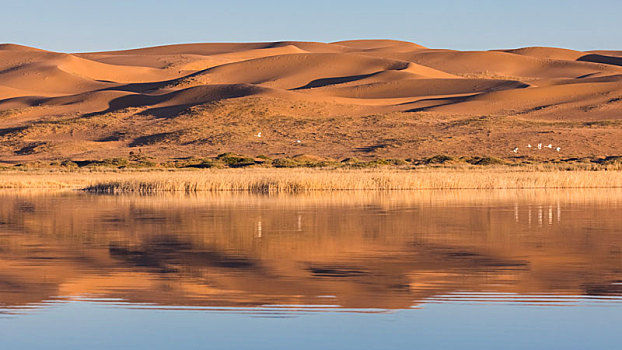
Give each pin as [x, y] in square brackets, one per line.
[118, 162]
[486, 161]
[610, 160]
[234, 160]
[68, 163]
[302, 160]
[110, 163]
[206, 164]
[439, 159]
[352, 160]
[356, 163]
[194, 162]
[285, 163]
[64, 163]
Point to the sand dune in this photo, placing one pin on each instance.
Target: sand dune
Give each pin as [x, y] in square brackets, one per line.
[348, 78]
[297, 70]
[604, 59]
[216, 60]
[568, 100]
[424, 87]
[499, 64]
[547, 52]
[379, 45]
[348, 68]
[606, 53]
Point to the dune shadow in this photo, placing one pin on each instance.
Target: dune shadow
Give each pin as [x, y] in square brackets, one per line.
[603, 59]
[333, 81]
[170, 111]
[371, 148]
[175, 102]
[140, 88]
[152, 86]
[448, 101]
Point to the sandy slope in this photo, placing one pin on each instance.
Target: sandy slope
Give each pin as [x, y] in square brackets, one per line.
[346, 79]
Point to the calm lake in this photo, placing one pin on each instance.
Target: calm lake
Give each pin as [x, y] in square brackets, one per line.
[530, 269]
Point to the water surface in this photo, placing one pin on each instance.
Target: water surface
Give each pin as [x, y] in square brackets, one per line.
[349, 270]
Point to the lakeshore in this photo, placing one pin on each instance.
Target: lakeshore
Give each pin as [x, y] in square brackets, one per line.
[294, 180]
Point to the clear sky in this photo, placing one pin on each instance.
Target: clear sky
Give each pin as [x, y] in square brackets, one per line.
[72, 25]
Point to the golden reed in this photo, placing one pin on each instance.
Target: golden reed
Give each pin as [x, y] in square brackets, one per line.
[260, 180]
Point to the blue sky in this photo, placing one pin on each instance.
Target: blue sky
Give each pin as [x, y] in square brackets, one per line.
[65, 25]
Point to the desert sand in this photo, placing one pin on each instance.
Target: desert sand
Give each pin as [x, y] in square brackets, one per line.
[364, 98]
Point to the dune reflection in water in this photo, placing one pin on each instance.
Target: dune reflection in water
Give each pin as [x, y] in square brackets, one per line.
[346, 251]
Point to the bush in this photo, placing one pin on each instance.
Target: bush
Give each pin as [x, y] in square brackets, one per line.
[64, 163]
[486, 161]
[118, 162]
[439, 159]
[234, 160]
[108, 162]
[193, 162]
[302, 160]
[356, 163]
[610, 160]
[205, 164]
[350, 161]
[394, 161]
[285, 163]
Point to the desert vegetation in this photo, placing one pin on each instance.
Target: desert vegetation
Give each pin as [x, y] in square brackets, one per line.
[309, 180]
[237, 160]
[238, 172]
[263, 179]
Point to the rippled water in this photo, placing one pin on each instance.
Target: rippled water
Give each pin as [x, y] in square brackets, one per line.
[350, 270]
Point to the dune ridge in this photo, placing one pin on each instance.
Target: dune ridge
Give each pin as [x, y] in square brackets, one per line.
[252, 85]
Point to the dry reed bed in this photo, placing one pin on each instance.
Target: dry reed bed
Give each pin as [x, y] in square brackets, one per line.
[301, 180]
